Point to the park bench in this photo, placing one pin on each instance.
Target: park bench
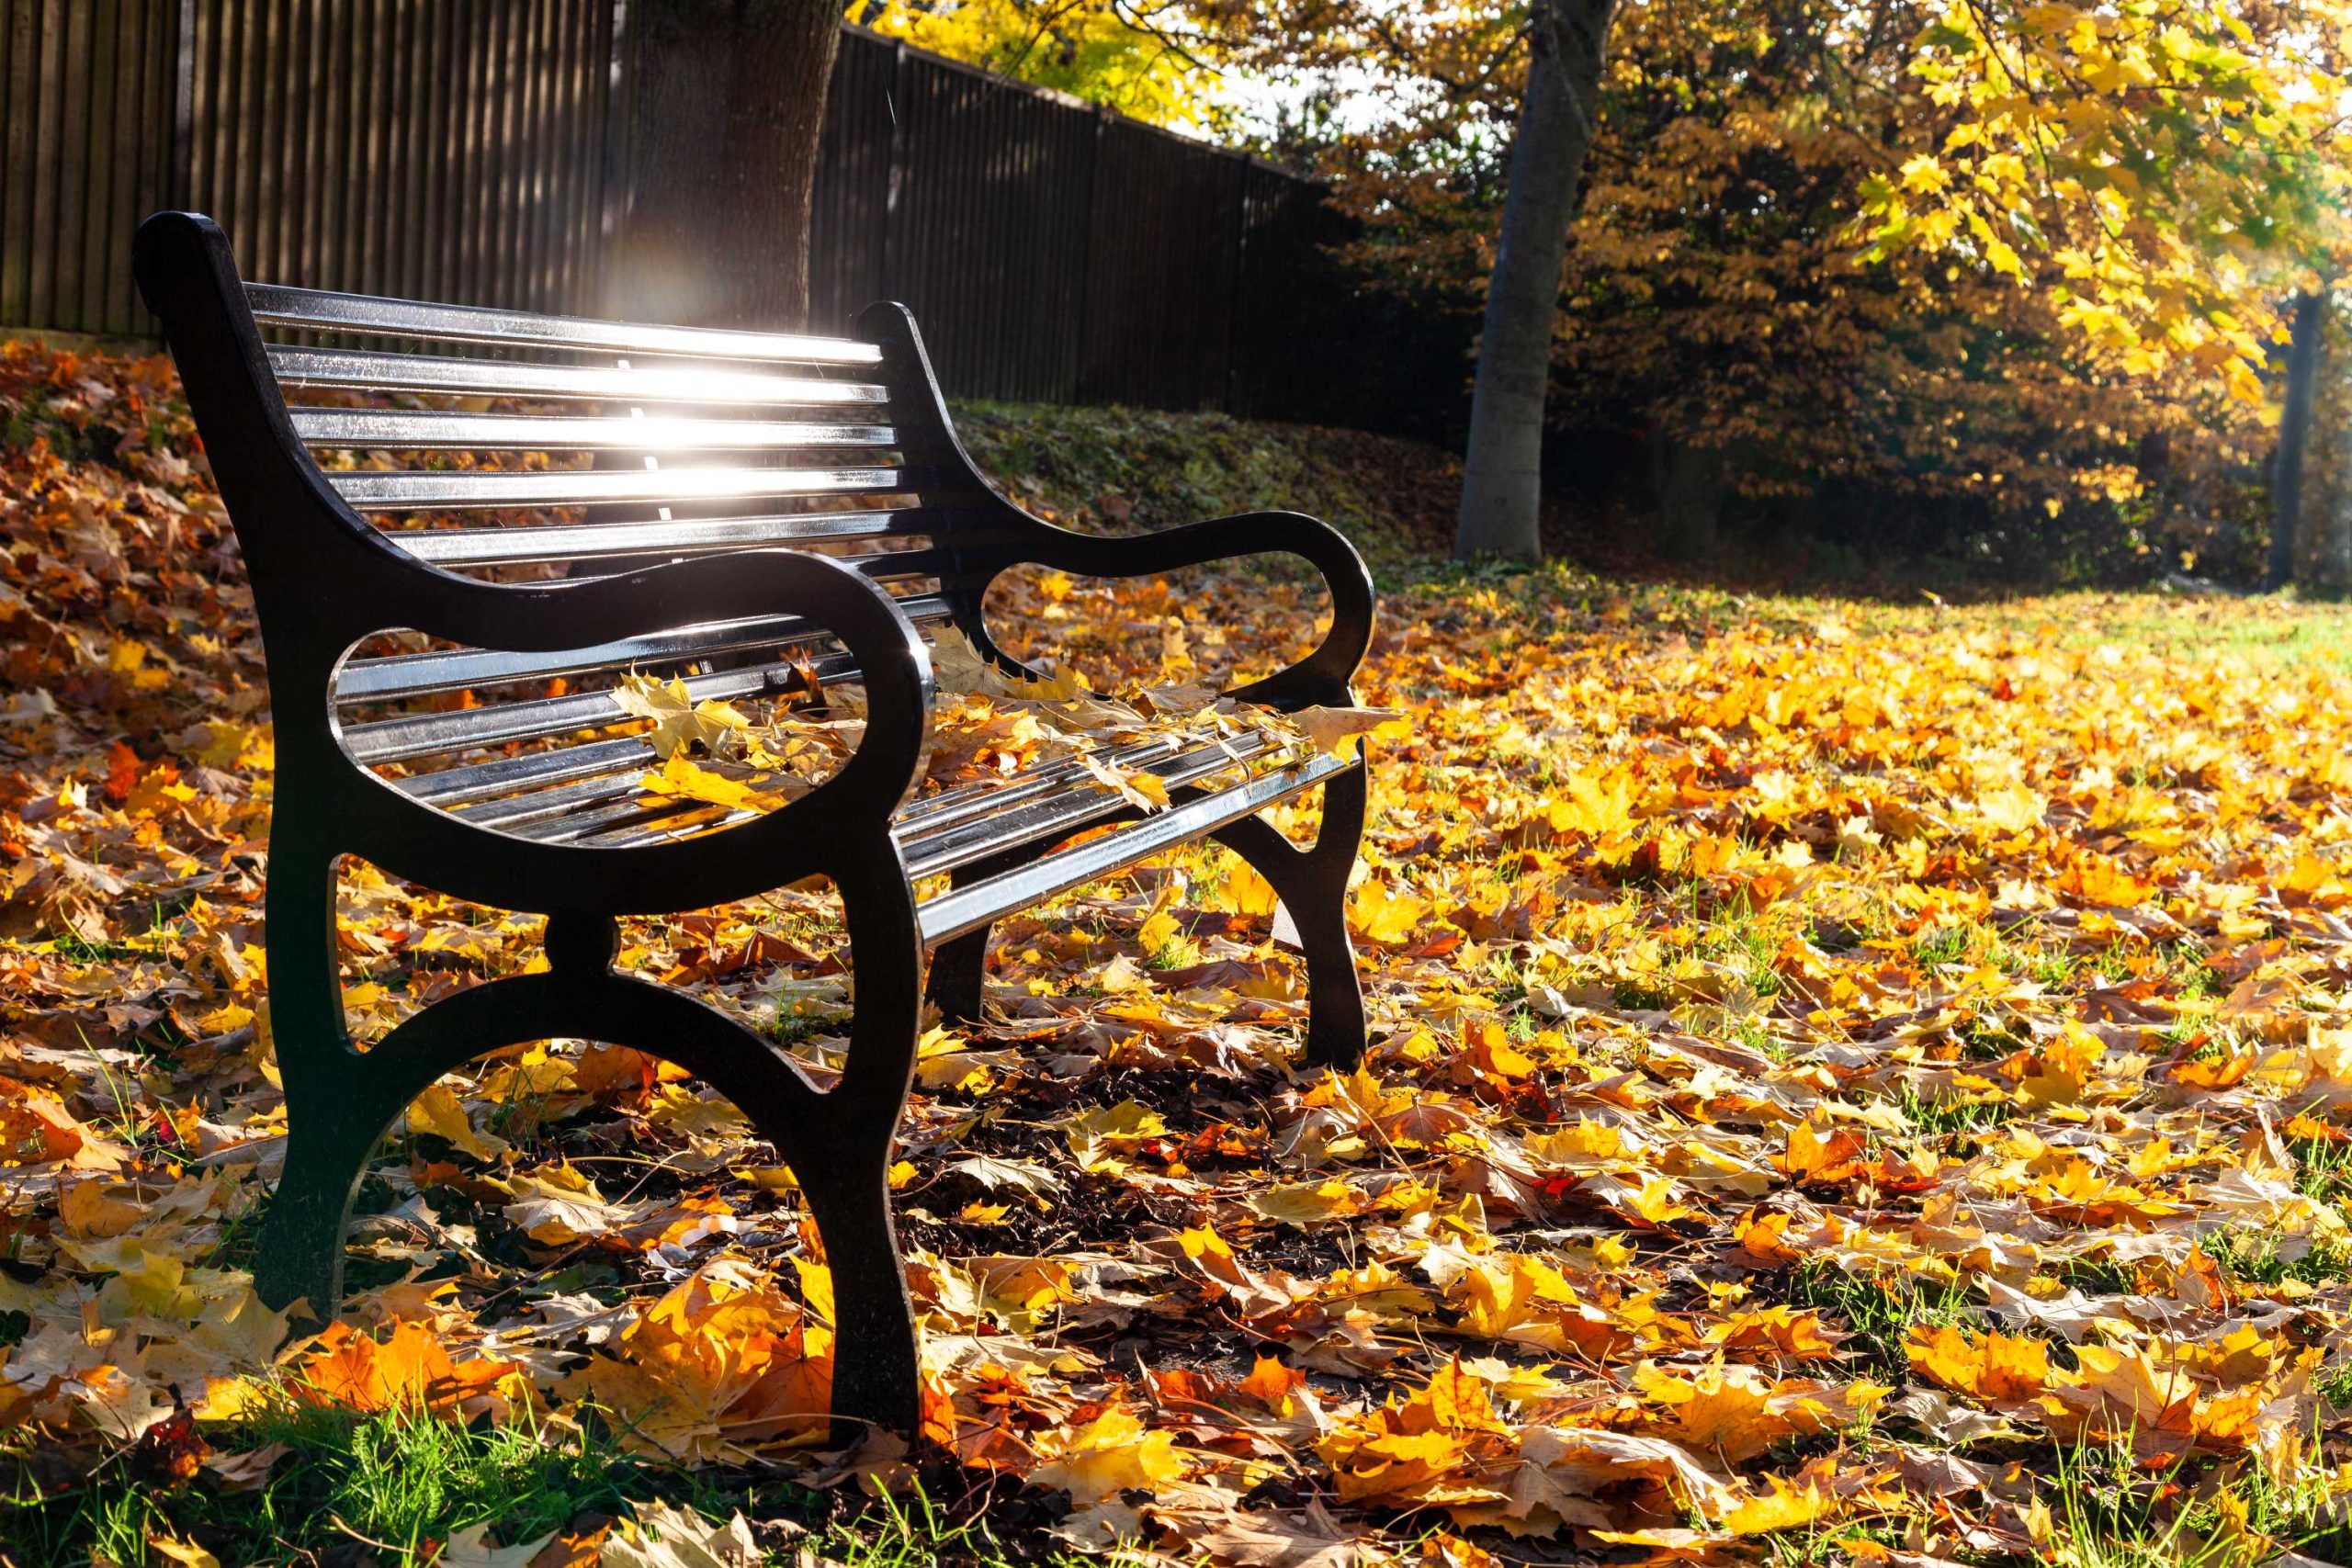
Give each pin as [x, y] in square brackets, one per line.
[766, 517]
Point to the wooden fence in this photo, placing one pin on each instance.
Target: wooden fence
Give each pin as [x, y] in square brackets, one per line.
[468, 150]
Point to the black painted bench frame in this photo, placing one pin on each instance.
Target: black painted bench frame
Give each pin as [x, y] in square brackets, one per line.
[323, 579]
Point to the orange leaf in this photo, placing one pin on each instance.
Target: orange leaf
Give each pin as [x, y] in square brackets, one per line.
[1998, 1368]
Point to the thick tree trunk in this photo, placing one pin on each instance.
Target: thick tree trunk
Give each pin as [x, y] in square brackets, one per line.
[2294, 438]
[724, 114]
[1502, 477]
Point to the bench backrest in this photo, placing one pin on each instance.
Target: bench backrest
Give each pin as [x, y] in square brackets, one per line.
[642, 443]
[715, 440]
[368, 447]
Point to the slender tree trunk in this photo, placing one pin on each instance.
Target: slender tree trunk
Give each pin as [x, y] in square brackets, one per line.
[2326, 511]
[727, 101]
[1502, 477]
[2294, 438]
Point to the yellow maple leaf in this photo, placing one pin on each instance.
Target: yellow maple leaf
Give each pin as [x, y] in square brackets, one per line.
[678, 779]
[1382, 915]
[2000, 1368]
[679, 721]
[1302, 1203]
[438, 1111]
[1778, 1507]
[1110, 1454]
[1592, 805]
[1337, 731]
[1723, 1409]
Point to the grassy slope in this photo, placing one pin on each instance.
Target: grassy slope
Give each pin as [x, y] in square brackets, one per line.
[1146, 470]
[1142, 469]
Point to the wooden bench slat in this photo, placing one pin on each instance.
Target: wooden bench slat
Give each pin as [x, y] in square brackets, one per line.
[320, 310]
[675, 537]
[521, 788]
[922, 825]
[392, 676]
[514, 813]
[489, 793]
[407, 489]
[623, 821]
[513, 379]
[406, 739]
[423, 674]
[929, 813]
[919, 826]
[432, 429]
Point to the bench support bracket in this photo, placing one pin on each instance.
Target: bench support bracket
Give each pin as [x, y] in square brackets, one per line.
[1313, 885]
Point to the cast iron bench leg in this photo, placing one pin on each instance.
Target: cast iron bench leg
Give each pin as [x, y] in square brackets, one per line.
[300, 1250]
[838, 1143]
[960, 965]
[1313, 885]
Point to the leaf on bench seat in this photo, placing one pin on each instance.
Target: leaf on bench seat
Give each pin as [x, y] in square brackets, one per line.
[677, 779]
[1138, 787]
[679, 722]
[956, 666]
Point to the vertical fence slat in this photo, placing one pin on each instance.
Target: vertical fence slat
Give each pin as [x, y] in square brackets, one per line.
[16, 158]
[80, 181]
[47, 131]
[117, 130]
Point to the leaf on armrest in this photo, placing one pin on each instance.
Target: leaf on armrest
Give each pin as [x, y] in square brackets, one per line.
[1335, 729]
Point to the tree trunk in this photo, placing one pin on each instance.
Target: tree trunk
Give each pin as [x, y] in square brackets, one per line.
[2323, 535]
[728, 100]
[2294, 438]
[1502, 476]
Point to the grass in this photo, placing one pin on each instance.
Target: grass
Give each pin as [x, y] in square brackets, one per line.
[1879, 1312]
[2117, 1511]
[2264, 634]
[392, 1487]
[1950, 1118]
[2252, 1256]
[397, 1482]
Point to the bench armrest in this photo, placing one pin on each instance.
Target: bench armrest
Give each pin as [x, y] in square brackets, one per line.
[362, 812]
[1321, 678]
[893, 662]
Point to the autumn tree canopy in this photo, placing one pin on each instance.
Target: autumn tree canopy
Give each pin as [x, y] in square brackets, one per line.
[1987, 259]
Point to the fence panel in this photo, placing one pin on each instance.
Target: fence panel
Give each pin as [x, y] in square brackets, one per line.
[85, 98]
[988, 242]
[1160, 305]
[849, 220]
[1284, 319]
[465, 149]
[440, 148]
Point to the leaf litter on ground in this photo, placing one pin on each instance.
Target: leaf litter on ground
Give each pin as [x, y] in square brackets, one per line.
[1833, 1078]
